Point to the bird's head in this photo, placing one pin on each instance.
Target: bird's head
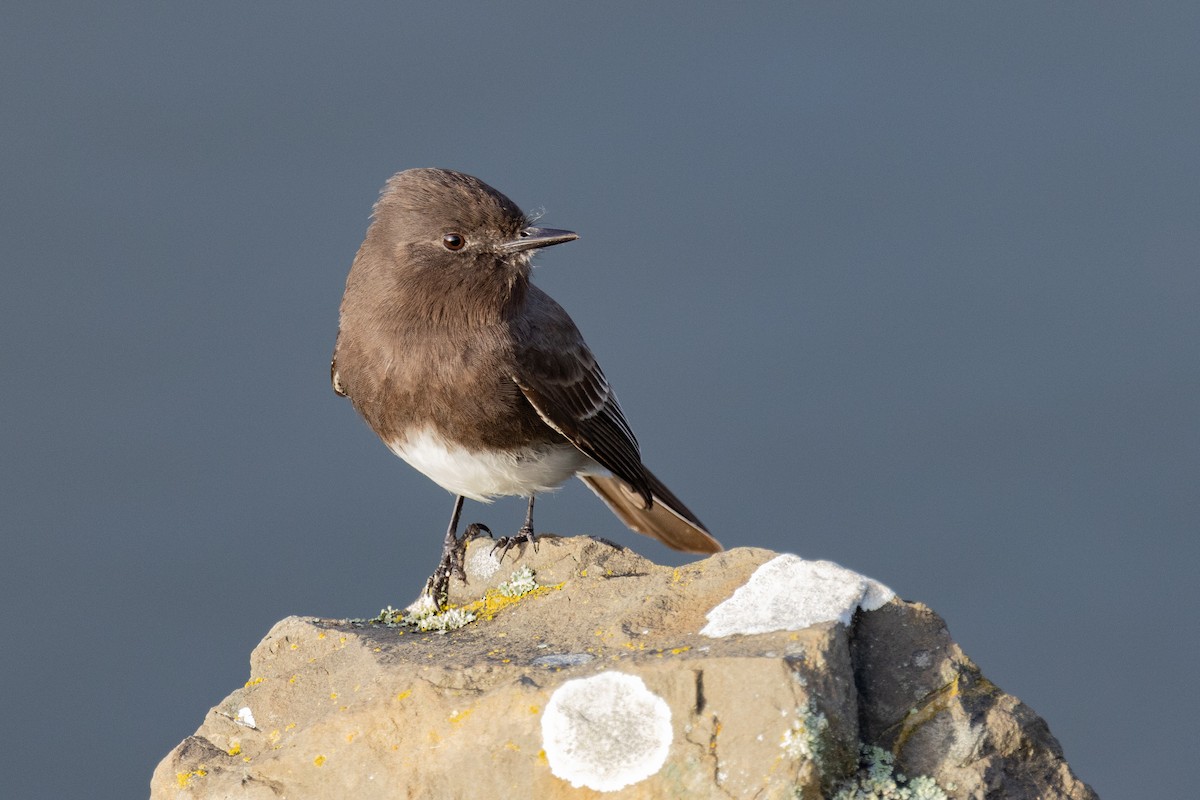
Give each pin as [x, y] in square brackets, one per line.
[445, 222]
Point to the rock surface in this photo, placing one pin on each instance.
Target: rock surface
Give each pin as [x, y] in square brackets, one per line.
[747, 674]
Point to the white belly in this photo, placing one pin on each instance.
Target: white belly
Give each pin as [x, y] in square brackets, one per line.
[484, 475]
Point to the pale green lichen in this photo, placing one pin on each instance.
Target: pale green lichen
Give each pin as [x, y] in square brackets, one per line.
[448, 620]
[803, 741]
[877, 780]
[521, 583]
[389, 617]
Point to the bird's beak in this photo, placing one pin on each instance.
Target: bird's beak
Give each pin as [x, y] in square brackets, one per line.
[534, 238]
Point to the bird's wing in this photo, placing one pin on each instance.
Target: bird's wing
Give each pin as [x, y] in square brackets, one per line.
[559, 376]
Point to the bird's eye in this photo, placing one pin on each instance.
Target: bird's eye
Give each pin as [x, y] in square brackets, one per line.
[454, 241]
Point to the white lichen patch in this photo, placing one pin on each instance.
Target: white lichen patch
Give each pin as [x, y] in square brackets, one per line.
[482, 563]
[877, 780]
[803, 741]
[245, 718]
[789, 593]
[424, 604]
[606, 732]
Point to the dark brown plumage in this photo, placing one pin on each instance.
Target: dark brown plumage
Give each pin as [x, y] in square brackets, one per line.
[475, 376]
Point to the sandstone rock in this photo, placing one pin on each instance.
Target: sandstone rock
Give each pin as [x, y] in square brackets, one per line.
[747, 674]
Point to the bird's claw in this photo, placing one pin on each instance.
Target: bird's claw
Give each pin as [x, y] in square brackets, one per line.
[524, 536]
[476, 530]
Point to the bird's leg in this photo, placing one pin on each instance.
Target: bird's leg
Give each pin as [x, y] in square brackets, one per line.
[527, 528]
[453, 550]
[438, 585]
[526, 534]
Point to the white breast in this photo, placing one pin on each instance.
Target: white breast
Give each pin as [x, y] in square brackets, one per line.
[486, 474]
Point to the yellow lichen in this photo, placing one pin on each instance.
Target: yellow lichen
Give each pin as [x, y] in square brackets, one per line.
[459, 716]
[404, 695]
[254, 682]
[184, 778]
[534, 709]
[494, 601]
[234, 748]
[319, 761]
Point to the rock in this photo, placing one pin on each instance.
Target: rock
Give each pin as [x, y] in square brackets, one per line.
[747, 674]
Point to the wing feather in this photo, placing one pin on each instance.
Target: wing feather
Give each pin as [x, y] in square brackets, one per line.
[560, 377]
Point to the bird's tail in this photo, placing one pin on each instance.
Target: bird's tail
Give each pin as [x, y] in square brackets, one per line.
[667, 519]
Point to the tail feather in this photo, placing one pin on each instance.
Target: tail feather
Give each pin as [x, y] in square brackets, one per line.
[667, 519]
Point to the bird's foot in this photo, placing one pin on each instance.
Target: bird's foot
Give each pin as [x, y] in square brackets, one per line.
[524, 536]
[452, 564]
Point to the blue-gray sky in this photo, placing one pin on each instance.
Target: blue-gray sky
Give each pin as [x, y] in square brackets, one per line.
[912, 287]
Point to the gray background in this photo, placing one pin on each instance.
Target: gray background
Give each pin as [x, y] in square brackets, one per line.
[910, 287]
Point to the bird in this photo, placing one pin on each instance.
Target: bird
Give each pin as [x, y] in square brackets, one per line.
[475, 376]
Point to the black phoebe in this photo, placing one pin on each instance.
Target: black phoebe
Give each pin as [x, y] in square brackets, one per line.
[475, 376]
